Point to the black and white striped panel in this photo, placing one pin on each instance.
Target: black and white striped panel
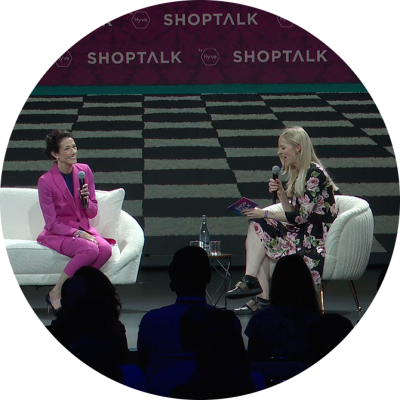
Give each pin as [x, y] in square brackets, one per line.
[185, 174]
[24, 160]
[110, 139]
[371, 173]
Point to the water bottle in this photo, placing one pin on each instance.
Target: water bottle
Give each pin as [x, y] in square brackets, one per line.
[204, 235]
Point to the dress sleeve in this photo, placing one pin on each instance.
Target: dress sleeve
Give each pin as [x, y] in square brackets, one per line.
[311, 206]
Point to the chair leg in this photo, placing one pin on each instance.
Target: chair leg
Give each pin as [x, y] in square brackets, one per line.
[354, 292]
[321, 296]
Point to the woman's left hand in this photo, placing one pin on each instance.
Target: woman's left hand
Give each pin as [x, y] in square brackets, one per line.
[85, 191]
[254, 213]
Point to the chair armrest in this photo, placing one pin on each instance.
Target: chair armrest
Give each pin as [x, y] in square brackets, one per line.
[130, 238]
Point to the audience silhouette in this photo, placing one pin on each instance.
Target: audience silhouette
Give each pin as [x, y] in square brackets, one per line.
[159, 340]
[88, 325]
[222, 368]
[190, 349]
[281, 329]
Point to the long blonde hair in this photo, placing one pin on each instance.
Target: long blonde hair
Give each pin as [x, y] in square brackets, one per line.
[296, 135]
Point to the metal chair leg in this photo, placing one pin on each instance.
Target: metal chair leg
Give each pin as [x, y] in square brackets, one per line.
[354, 292]
[321, 296]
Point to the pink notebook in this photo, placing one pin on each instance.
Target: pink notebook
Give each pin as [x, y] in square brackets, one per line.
[243, 204]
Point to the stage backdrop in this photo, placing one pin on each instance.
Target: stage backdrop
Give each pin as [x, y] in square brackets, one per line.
[181, 104]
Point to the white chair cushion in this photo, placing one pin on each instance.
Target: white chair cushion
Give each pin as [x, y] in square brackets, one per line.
[26, 255]
[106, 221]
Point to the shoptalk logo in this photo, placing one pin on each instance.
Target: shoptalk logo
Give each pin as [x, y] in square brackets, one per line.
[140, 20]
[209, 56]
[64, 60]
[284, 23]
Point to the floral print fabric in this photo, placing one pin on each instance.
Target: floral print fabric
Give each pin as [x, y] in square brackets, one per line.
[308, 224]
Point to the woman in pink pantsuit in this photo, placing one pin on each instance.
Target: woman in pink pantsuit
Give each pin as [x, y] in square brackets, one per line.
[67, 229]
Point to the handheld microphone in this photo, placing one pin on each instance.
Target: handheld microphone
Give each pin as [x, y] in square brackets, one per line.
[275, 175]
[81, 176]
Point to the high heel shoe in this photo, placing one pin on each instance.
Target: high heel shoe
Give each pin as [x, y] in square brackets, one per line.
[49, 304]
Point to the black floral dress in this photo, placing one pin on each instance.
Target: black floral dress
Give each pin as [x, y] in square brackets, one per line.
[308, 224]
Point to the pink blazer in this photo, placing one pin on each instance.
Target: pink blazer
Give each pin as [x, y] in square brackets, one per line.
[64, 214]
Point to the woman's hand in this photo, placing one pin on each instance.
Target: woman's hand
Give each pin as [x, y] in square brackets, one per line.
[275, 185]
[254, 213]
[88, 236]
[85, 191]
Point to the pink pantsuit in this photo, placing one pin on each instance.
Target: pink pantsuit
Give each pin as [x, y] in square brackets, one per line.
[64, 215]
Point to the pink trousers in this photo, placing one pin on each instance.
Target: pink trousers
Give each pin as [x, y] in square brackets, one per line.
[85, 253]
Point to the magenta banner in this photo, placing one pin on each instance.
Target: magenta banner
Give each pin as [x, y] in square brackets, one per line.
[197, 43]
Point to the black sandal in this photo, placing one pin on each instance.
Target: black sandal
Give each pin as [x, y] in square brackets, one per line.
[253, 305]
[246, 287]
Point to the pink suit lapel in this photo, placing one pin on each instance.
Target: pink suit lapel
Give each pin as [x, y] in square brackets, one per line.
[63, 188]
[77, 187]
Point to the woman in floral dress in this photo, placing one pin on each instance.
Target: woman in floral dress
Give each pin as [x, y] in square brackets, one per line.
[300, 228]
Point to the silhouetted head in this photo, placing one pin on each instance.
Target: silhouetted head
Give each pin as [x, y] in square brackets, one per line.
[292, 284]
[99, 286]
[73, 292]
[190, 271]
[90, 296]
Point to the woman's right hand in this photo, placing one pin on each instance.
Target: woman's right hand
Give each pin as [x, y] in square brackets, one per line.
[88, 236]
[275, 185]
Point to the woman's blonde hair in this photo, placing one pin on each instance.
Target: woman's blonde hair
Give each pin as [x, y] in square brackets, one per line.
[296, 135]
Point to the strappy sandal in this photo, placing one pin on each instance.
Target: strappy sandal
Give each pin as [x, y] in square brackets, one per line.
[246, 287]
[253, 305]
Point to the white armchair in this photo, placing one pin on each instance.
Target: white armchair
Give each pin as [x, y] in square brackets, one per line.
[348, 244]
[36, 265]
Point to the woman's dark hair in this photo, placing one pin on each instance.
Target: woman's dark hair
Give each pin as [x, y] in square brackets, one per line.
[103, 293]
[293, 285]
[53, 140]
[90, 295]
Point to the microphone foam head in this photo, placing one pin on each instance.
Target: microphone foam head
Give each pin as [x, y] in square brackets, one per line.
[276, 169]
[81, 175]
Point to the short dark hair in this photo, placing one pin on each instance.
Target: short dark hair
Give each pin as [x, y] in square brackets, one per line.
[292, 284]
[53, 140]
[190, 270]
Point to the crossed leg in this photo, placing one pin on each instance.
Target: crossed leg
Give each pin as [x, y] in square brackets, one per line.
[257, 262]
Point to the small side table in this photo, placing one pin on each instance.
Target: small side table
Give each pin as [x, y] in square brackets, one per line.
[222, 265]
